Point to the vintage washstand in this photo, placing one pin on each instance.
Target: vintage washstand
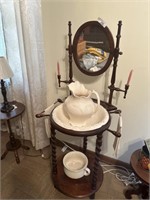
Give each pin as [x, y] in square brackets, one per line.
[93, 51]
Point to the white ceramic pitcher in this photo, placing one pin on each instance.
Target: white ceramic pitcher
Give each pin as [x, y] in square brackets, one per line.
[79, 106]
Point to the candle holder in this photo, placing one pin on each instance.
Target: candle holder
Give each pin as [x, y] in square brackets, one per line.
[63, 81]
[126, 89]
[113, 88]
[69, 49]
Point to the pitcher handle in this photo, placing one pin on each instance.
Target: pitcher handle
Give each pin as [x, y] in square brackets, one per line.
[97, 96]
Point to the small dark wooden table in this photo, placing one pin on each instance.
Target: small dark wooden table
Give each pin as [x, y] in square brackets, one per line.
[143, 175]
[86, 186]
[13, 144]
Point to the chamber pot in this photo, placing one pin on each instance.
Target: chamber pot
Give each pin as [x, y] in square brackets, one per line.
[75, 165]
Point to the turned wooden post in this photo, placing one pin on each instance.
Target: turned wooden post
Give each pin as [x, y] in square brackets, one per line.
[84, 144]
[96, 161]
[53, 148]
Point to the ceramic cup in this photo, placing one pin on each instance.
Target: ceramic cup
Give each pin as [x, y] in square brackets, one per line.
[75, 165]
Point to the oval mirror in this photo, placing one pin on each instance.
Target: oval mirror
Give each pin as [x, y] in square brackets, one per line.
[93, 48]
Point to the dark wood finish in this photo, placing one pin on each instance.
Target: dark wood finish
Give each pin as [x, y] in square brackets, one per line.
[53, 145]
[70, 53]
[14, 113]
[77, 188]
[143, 175]
[96, 161]
[116, 55]
[85, 144]
[113, 77]
[6, 107]
[69, 49]
[13, 144]
[107, 106]
[104, 30]
[86, 186]
[80, 133]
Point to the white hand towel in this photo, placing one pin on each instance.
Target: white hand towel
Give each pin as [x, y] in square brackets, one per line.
[116, 144]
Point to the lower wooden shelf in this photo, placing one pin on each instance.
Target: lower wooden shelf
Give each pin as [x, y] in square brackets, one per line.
[76, 188]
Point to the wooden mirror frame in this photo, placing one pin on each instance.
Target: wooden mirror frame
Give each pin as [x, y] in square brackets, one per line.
[108, 35]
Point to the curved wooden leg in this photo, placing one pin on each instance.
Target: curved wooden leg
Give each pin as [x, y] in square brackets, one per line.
[17, 157]
[128, 193]
[139, 189]
[145, 191]
[92, 196]
[4, 154]
[25, 147]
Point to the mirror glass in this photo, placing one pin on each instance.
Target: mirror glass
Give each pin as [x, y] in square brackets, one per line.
[93, 48]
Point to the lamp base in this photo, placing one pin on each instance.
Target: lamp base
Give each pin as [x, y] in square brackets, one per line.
[6, 108]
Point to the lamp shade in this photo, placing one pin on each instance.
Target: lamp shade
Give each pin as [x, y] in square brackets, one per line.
[5, 70]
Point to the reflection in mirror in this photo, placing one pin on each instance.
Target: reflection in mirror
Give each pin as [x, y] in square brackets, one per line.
[93, 48]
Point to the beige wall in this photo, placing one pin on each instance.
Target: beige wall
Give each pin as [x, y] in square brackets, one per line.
[134, 45]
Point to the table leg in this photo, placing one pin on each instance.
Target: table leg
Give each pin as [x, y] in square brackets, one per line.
[53, 148]
[11, 134]
[92, 196]
[13, 144]
[96, 162]
[16, 156]
[22, 145]
[138, 189]
[4, 154]
[84, 144]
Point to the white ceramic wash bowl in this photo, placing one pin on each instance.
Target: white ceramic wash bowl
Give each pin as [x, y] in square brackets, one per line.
[97, 120]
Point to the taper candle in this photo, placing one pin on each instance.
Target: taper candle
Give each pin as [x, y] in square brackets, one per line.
[58, 69]
[129, 77]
